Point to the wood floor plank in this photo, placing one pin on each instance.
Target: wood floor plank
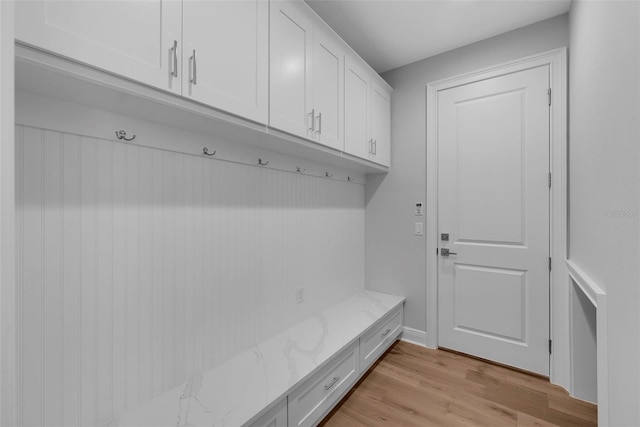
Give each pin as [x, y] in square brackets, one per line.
[414, 386]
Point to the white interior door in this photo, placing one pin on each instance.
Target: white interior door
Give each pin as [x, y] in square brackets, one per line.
[493, 201]
[231, 44]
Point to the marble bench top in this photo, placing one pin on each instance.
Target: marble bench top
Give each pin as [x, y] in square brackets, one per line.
[241, 389]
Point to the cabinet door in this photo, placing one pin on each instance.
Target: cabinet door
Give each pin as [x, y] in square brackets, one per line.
[134, 39]
[356, 109]
[328, 89]
[381, 124]
[230, 69]
[290, 63]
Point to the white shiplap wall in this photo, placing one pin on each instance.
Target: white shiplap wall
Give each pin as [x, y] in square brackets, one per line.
[138, 267]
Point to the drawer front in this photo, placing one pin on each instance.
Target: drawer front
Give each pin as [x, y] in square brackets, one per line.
[373, 344]
[276, 417]
[309, 402]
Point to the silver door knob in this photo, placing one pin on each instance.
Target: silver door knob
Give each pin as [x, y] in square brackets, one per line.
[446, 252]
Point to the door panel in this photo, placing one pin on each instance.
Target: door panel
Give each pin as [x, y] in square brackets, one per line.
[232, 53]
[328, 76]
[356, 110]
[131, 38]
[490, 132]
[381, 124]
[493, 200]
[290, 62]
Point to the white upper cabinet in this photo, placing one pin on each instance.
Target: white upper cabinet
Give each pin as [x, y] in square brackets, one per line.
[140, 40]
[226, 55]
[291, 61]
[328, 89]
[357, 89]
[272, 62]
[307, 83]
[367, 114]
[381, 124]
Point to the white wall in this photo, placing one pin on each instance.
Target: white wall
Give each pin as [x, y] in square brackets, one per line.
[395, 258]
[7, 216]
[138, 267]
[604, 87]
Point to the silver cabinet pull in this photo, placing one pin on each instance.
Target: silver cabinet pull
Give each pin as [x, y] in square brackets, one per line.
[386, 332]
[320, 123]
[447, 252]
[312, 115]
[174, 50]
[194, 78]
[371, 146]
[375, 147]
[332, 383]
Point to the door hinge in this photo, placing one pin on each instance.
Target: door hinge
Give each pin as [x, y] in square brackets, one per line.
[550, 346]
[549, 179]
[549, 263]
[549, 93]
[437, 251]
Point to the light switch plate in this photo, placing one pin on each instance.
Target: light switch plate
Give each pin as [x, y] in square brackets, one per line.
[418, 229]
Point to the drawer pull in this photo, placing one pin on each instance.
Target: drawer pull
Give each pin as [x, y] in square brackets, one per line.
[386, 332]
[332, 383]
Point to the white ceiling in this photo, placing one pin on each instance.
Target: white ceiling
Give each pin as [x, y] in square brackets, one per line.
[391, 33]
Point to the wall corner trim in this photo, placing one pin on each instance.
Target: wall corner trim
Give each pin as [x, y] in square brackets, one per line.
[598, 298]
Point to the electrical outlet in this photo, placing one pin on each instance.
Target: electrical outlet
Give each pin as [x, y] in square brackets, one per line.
[300, 295]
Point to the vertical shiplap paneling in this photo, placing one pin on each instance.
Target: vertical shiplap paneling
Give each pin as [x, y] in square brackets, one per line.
[32, 264]
[145, 250]
[88, 281]
[157, 285]
[52, 283]
[104, 294]
[189, 247]
[140, 267]
[71, 280]
[179, 285]
[168, 255]
[132, 272]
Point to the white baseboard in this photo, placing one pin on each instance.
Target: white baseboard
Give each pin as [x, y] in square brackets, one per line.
[414, 336]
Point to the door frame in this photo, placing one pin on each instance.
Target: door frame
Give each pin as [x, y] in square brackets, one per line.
[559, 291]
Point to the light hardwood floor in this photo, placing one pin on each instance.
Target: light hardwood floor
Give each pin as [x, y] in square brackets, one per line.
[415, 386]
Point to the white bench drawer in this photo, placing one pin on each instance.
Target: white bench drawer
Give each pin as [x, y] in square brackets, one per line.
[276, 417]
[374, 343]
[313, 399]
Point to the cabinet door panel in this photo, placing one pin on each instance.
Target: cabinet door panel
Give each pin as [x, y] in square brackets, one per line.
[232, 53]
[381, 124]
[290, 62]
[356, 110]
[131, 38]
[328, 94]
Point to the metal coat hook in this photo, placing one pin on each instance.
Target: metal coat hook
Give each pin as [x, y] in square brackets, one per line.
[261, 163]
[328, 175]
[350, 179]
[122, 135]
[206, 152]
[299, 169]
